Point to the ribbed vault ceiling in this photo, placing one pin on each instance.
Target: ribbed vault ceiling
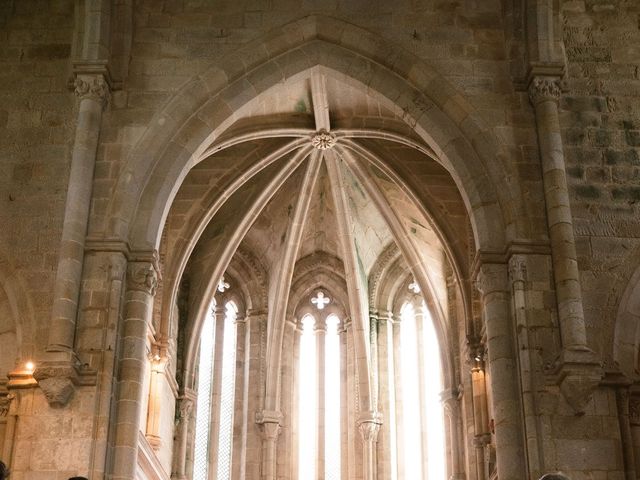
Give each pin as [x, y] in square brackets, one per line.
[315, 165]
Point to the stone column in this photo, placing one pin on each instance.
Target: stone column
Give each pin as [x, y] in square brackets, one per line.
[239, 435]
[528, 366]
[57, 373]
[578, 370]
[479, 401]
[634, 425]
[186, 408]
[254, 384]
[320, 333]
[286, 446]
[387, 452]
[397, 368]
[219, 315]
[159, 359]
[270, 422]
[451, 403]
[369, 426]
[8, 412]
[142, 279]
[345, 426]
[622, 403]
[505, 388]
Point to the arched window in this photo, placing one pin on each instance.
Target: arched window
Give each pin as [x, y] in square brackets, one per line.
[420, 412]
[216, 380]
[319, 392]
[307, 400]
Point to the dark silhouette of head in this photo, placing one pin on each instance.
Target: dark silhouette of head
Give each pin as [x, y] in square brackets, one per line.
[4, 471]
[554, 476]
[78, 478]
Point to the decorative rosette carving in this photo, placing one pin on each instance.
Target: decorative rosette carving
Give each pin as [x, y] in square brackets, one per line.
[323, 140]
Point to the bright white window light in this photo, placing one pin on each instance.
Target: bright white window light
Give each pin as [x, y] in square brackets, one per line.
[307, 403]
[433, 387]
[410, 394]
[227, 393]
[332, 400]
[203, 408]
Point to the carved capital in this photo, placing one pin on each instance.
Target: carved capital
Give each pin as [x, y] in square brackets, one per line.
[93, 87]
[518, 268]
[543, 88]
[369, 425]
[270, 431]
[5, 404]
[142, 276]
[492, 277]
[634, 410]
[323, 140]
[578, 374]
[369, 431]
[57, 383]
[185, 409]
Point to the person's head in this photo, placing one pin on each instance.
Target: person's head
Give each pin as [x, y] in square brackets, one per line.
[4, 471]
[554, 476]
[78, 478]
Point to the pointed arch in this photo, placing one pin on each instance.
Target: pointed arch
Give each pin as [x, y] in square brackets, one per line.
[208, 104]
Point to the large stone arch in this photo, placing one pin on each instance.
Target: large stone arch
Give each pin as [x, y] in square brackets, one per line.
[626, 342]
[16, 319]
[206, 106]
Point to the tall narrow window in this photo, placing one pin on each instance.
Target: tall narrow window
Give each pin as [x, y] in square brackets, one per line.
[203, 408]
[227, 391]
[332, 399]
[433, 407]
[412, 455]
[226, 375]
[423, 422]
[307, 394]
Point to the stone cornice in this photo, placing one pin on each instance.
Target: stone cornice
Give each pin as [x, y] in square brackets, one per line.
[519, 247]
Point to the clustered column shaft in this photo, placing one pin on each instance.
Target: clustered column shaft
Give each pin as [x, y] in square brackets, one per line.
[142, 279]
[493, 284]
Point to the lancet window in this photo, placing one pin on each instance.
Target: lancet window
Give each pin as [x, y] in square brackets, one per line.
[320, 384]
[216, 387]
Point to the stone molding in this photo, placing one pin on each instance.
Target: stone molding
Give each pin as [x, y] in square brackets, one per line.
[492, 278]
[544, 88]
[93, 87]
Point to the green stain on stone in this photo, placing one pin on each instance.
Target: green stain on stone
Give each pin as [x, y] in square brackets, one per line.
[300, 107]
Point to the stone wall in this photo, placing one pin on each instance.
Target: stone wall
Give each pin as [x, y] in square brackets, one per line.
[174, 41]
[601, 133]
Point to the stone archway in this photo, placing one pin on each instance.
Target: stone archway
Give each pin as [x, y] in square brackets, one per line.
[205, 107]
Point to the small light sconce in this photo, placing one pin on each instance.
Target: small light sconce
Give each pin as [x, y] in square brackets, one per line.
[29, 366]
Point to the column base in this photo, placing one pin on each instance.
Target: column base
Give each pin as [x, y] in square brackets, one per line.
[59, 373]
[578, 373]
